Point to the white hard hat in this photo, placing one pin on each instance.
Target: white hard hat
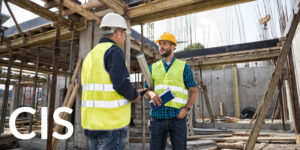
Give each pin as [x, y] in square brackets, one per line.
[113, 20]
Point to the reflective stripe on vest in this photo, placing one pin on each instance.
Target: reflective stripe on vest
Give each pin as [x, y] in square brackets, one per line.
[172, 80]
[102, 107]
[104, 104]
[98, 87]
[172, 88]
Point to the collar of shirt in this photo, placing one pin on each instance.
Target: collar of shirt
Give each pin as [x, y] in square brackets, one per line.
[166, 65]
[103, 40]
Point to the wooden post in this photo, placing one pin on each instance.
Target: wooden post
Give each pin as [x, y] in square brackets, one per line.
[54, 77]
[6, 90]
[208, 105]
[236, 93]
[34, 90]
[206, 98]
[143, 100]
[273, 82]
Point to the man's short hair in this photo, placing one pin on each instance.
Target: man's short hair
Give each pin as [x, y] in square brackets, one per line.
[109, 31]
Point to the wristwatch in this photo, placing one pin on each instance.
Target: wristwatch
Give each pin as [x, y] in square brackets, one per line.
[187, 108]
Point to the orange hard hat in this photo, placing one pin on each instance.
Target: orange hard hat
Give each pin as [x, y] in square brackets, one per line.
[166, 36]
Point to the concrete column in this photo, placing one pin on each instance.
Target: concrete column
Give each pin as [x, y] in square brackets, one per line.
[295, 69]
[296, 55]
[90, 34]
[13, 101]
[288, 94]
[127, 51]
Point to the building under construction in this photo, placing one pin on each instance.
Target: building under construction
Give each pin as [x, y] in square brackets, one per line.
[237, 107]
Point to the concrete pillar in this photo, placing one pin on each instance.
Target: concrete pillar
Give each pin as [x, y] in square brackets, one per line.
[14, 97]
[127, 51]
[13, 101]
[87, 40]
[296, 56]
[295, 70]
[288, 94]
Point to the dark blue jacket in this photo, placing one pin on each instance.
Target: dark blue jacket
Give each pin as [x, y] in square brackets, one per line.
[114, 62]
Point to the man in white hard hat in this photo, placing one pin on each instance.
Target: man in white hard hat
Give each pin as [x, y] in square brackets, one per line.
[106, 90]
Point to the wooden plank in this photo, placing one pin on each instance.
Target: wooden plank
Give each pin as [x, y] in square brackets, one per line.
[159, 10]
[236, 93]
[80, 10]
[298, 140]
[259, 139]
[274, 82]
[236, 145]
[39, 10]
[115, 5]
[200, 143]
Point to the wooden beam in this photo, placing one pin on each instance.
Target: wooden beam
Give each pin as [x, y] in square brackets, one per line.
[24, 77]
[115, 5]
[135, 45]
[231, 58]
[39, 10]
[39, 38]
[29, 67]
[80, 10]
[101, 14]
[273, 82]
[159, 10]
[88, 6]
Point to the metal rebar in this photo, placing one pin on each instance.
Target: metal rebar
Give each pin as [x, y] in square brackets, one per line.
[6, 92]
[54, 77]
[34, 89]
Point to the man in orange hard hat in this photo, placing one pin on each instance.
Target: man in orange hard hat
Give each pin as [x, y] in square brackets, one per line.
[176, 75]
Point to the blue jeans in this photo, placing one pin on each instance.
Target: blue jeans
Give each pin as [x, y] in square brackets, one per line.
[159, 130]
[109, 140]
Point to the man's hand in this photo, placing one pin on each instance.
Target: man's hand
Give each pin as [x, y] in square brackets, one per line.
[139, 95]
[182, 113]
[155, 98]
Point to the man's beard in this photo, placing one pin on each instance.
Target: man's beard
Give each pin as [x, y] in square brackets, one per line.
[167, 53]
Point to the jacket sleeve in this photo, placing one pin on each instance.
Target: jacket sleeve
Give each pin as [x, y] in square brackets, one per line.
[115, 66]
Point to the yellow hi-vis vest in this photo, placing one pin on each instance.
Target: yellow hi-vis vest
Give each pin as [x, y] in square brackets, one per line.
[102, 107]
[173, 80]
